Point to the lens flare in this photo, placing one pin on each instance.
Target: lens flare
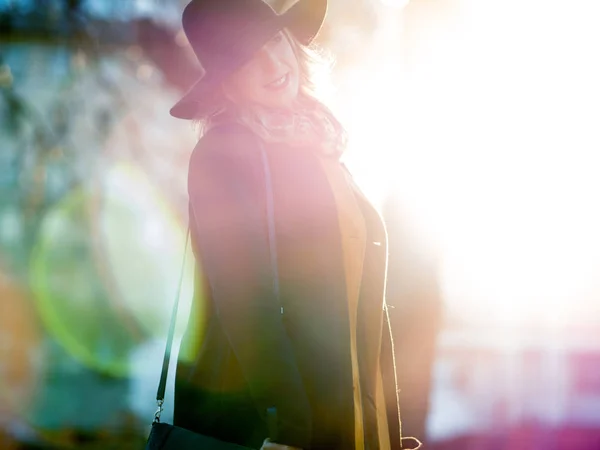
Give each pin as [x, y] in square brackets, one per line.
[71, 300]
[139, 241]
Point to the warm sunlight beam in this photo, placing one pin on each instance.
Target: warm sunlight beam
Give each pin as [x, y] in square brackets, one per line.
[489, 136]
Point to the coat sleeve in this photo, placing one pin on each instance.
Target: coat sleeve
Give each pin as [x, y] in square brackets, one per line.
[229, 224]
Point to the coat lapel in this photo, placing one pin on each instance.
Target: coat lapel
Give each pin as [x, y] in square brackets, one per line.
[371, 304]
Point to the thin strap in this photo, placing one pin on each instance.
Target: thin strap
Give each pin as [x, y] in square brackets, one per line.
[272, 411]
[160, 393]
[271, 222]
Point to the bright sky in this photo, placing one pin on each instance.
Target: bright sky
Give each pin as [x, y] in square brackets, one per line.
[488, 131]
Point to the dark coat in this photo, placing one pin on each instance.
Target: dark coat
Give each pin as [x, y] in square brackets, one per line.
[292, 353]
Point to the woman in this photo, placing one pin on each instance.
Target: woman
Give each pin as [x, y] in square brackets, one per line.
[313, 350]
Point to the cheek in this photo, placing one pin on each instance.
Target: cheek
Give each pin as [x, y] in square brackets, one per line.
[295, 69]
[293, 63]
[244, 86]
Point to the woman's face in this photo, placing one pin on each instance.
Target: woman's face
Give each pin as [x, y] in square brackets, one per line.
[271, 78]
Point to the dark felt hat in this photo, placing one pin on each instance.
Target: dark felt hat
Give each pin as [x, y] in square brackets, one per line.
[225, 34]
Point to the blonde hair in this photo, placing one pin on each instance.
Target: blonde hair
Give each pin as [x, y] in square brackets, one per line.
[315, 89]
[315, 69]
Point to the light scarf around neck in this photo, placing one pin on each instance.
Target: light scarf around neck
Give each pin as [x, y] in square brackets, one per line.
[310, 124]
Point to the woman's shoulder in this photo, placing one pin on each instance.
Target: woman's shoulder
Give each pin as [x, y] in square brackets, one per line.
[227, 140]
[224, 152]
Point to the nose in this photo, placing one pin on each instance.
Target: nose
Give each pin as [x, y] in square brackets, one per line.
[270, 61]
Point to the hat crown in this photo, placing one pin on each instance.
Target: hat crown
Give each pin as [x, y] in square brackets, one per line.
[218, 29]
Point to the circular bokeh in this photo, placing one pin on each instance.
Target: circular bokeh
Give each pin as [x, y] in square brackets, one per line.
[70, 296]
[139, 243]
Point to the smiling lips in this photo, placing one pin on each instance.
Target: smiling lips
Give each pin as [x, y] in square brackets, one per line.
[279, 83]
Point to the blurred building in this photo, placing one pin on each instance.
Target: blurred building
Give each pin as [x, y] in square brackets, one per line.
[494, 380]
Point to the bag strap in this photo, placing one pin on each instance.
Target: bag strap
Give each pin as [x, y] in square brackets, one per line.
[162, 384]
[271, 222]
[160, 393]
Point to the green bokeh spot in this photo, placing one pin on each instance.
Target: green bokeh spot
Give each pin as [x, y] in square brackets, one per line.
[69, 294]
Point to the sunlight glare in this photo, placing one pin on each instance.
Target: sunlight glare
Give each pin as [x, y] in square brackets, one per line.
[490, 137]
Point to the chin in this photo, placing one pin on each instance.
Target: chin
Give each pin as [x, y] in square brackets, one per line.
[280, 103]
[281, 100]
[287, 99]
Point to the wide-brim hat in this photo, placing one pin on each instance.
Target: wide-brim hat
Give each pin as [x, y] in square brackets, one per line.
[225, 34]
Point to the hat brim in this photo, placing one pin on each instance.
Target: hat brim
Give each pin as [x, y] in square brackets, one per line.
[304, 20]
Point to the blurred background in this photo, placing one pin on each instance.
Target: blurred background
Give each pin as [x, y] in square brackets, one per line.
[474, 127]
